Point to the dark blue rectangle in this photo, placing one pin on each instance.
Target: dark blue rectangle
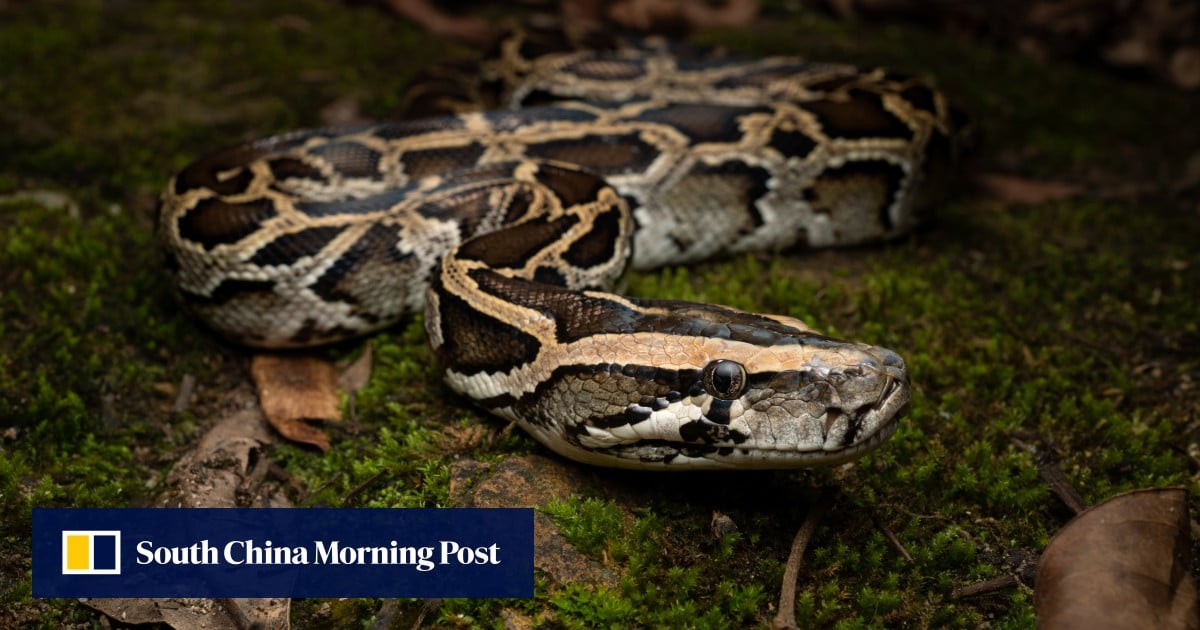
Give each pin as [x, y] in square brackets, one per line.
[211, 552]
[104, 552]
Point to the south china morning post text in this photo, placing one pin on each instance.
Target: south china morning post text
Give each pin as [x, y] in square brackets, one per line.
[240, 552]
[210, 552]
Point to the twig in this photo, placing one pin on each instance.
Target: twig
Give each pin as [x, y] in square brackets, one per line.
[887, 533]
[1054, 478]
[240, 619]
[985, 587]
[386, 616]
[363, 486]
[253, 479]
[321, 488]
[1023, 573]
[786, 618]
[1062, 487]
[429, 606]
[187, 386]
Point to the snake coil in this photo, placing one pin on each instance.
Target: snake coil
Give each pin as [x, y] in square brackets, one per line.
[509, 227]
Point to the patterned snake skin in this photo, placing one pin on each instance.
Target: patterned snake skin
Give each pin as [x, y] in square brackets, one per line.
[508, 228]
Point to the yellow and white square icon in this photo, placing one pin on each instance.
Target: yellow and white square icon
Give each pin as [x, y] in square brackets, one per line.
[91, 552]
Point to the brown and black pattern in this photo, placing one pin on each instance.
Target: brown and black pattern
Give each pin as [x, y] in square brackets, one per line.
[509, 227]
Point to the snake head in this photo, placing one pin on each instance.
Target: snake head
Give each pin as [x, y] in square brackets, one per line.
[823, 402]
[722, 389]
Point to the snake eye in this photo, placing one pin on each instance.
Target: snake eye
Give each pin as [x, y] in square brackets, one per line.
[724, 379]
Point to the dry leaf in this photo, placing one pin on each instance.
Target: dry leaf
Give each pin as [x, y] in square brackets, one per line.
[424, 12]
[217, 472]
[295, 388]
[213, 473]
[356, 375]
[459, 439]
[1121, 564]
[1184, 68]
[1010, 189]
[344, 111]
[197, 613]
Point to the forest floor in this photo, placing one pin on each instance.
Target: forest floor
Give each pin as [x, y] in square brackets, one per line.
[1047, 314]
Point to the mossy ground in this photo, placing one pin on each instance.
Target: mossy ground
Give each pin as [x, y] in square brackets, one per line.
[1068, 325]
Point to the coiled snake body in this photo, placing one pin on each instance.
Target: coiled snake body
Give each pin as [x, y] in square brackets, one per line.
[508, 227]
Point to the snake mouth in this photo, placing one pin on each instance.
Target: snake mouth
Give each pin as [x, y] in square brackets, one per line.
[884, 415]
[894, 397]
[865, 430]
[876, 422]
[673, 456]
[843, 435]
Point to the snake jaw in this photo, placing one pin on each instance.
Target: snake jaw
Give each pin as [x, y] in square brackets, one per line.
[869, 403]
[835, 406]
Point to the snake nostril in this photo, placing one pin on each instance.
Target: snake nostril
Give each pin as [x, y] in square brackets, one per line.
[890, 359]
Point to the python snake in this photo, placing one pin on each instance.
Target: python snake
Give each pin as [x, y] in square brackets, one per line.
[509, 227]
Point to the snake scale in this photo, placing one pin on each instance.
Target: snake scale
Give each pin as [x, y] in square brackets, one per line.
[508, 229]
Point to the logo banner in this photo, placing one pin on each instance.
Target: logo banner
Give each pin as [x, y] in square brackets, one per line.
[212, 552]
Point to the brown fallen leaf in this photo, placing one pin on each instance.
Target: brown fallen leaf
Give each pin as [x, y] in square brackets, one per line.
[1121, 564]
[180, 613]
[295, 388]
[1011, 189]
[355, 376]
[460, 439]
[219, 471]
[468, 28]
[1184, 67]
[215, 472]
[682, 15]
[346, 110]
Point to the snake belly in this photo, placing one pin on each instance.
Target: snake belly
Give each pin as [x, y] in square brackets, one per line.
[509, 228]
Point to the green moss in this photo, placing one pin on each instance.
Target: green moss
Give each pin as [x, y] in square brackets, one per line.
[587, 606]
[592, 525]
[1020, 613]
[393, 467]
[79, 351]
[691, 591]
